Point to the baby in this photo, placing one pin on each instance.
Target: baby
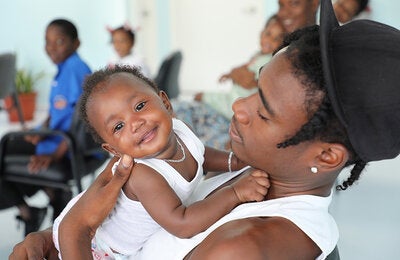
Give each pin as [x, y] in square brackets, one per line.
[127, 113]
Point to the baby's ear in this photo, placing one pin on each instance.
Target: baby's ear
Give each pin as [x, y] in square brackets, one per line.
[110, 149]
[165, 99]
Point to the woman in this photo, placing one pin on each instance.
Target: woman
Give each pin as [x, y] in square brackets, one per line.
[308, 112]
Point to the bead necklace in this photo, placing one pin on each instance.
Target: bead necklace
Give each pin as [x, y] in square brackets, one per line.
[183, 154]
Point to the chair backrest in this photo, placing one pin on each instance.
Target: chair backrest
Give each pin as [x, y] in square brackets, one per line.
[7, 81]
[167, 78]
[7, 74]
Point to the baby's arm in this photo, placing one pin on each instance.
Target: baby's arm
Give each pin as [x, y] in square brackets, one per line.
[165, 207]
[219, 161]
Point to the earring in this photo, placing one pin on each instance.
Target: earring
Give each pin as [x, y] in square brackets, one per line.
[314, 169]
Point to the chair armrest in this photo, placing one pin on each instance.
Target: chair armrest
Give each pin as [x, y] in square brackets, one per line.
[42, 132]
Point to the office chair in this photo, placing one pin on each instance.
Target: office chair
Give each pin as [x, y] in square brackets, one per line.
[7, 82]
[167, 78]
[84, 157]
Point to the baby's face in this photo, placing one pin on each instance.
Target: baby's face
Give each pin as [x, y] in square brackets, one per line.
[131, 117]
[122, 43]
[271, 37]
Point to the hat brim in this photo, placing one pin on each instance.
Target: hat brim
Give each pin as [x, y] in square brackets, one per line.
[328, 23]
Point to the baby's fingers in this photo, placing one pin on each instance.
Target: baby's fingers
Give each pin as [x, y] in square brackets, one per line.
[259, 173]
[263, 181]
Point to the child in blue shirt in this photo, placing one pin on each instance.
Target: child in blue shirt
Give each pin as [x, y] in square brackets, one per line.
[61, 47]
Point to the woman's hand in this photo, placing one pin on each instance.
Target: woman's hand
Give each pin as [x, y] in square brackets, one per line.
[36, 246]
[79, 225]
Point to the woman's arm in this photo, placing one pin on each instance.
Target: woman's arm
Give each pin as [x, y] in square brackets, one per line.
[244, 77]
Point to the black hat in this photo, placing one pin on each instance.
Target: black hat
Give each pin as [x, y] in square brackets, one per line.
[361, 63]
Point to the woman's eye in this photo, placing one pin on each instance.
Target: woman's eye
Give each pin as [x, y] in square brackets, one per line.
[261, 116]
[118, 127]
[140, 106]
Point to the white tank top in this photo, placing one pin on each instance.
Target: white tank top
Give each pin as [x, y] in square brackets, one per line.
[129, 225]
[309, 213]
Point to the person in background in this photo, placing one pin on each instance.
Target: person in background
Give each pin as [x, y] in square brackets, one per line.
[123, 42]
[270, 38]
[347, 10]
[292, 15]
[127, 114]
[62, 43]
[296, 14]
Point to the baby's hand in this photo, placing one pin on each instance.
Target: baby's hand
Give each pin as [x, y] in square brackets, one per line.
[253, 185]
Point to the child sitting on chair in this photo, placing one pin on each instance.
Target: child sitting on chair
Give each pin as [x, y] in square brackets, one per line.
[123, 41]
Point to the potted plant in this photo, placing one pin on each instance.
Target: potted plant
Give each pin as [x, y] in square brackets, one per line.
[25, 84]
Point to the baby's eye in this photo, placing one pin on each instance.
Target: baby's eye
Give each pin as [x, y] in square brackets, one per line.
[140, 106]
[118, 127]
[261, 116]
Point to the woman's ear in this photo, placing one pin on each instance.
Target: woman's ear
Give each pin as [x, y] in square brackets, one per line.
[110, 149]
[332, 157]
[165, 99]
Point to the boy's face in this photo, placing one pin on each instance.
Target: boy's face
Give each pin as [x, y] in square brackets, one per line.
[131, 117]
[271, 37]
[122, 43]
[58, 45]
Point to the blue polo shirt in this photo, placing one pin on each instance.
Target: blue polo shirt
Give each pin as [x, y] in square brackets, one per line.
[66, 88]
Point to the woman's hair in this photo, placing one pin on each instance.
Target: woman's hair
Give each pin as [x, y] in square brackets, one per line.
[66, 26]
[92, 84]
[128, 31]
[362, 5]
[305, 56]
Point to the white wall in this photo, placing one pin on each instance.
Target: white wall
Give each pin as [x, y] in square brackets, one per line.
[23, 24]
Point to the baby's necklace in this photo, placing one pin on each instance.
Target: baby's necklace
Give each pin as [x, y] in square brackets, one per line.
[183, 154]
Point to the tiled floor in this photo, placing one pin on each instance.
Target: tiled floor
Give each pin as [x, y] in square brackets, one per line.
[368, 214]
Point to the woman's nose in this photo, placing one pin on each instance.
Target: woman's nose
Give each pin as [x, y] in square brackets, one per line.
[241, 110]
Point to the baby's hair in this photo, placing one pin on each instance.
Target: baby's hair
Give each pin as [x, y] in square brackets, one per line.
[305, 56]
[66, 26]
[271, 19]
[128, 31]
[92, 85]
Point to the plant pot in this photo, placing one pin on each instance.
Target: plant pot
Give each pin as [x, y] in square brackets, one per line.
[28, 106]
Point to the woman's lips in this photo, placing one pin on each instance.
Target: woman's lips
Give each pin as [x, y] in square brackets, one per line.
[234, 134]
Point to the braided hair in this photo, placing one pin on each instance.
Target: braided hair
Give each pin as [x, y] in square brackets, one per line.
[92, 84]
[303, 51]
